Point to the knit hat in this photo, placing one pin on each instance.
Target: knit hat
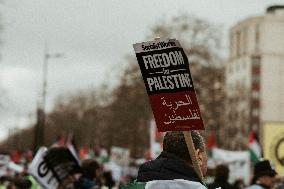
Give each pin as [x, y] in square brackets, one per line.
[264, 168]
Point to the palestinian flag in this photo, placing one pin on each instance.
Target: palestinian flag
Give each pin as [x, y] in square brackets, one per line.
[254, 147]
[211, 143]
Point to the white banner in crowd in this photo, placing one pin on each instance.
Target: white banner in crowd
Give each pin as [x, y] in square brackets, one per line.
[120, 155]
[6, 165]
[4, 161]
[41, 172]
[15, 167]
[155, 147]
[238, 162]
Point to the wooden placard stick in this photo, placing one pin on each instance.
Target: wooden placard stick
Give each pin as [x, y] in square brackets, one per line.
[192, 153]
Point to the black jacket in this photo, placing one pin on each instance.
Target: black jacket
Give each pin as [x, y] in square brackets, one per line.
[166, 167]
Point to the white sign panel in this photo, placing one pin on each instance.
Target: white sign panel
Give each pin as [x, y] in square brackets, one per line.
[4, 161]
[238, 162]
[120, 155]
[41, 172]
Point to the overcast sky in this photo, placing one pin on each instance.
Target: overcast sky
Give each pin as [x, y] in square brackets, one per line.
[94, 36]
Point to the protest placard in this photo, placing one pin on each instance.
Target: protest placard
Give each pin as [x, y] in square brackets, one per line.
[165, 70]
[62, 163]
[54, 167]
[41, 172]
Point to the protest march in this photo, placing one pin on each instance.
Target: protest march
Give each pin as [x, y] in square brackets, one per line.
[189, 107]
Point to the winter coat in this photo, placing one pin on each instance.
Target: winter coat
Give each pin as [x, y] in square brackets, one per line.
[167, 172]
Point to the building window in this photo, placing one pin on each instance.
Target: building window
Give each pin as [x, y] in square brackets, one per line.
[237, 66]
[245, 81]
[238, 43]
[255, 78]
[229, 68]
[255, 126]
[255, 60]
[231, 46]
[245, 34]
[257, 37]
[255, 70]
[255, 94]
[255, 112]
[238, 85]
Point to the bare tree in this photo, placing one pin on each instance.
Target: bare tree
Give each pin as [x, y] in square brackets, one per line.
[200, 39]
[121, 117]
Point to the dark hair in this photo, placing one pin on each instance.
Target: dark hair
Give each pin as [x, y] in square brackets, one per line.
[239, 184]
[222, 172]
[174, 143]
[109, 182]
[89, 167]
[263, 168]
[22, 183]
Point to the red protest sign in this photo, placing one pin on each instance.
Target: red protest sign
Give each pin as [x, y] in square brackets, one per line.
[167, 78]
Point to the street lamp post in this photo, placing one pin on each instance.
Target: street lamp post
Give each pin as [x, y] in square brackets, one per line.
[40, 125]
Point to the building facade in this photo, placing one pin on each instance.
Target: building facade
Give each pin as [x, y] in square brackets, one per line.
[254, 76]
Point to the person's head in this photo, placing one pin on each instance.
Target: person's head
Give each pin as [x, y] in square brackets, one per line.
[90, 169]
[222, 172]
[239, 184]
[264, 173]
[108, 179]
[175, 143]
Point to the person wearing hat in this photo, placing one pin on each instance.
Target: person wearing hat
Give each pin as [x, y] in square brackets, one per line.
[264, 175]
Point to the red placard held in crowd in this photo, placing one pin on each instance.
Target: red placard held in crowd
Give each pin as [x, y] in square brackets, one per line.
[165, 70]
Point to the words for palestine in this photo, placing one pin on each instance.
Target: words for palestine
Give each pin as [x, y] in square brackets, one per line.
[169, 81]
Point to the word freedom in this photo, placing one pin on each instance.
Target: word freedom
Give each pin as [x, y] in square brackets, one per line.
[163, 60]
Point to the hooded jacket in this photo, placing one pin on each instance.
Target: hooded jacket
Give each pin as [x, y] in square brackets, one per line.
[167, 172]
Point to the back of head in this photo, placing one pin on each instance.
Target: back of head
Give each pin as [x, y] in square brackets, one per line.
[22, 183]
[222, 172]
[263, 168]
[89, 168]
[109, 182]
[175, 143]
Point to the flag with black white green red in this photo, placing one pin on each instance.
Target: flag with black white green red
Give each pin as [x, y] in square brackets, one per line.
[211, 143]
[254, 147]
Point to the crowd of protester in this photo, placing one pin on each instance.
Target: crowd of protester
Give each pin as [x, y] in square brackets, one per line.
[99, 171]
